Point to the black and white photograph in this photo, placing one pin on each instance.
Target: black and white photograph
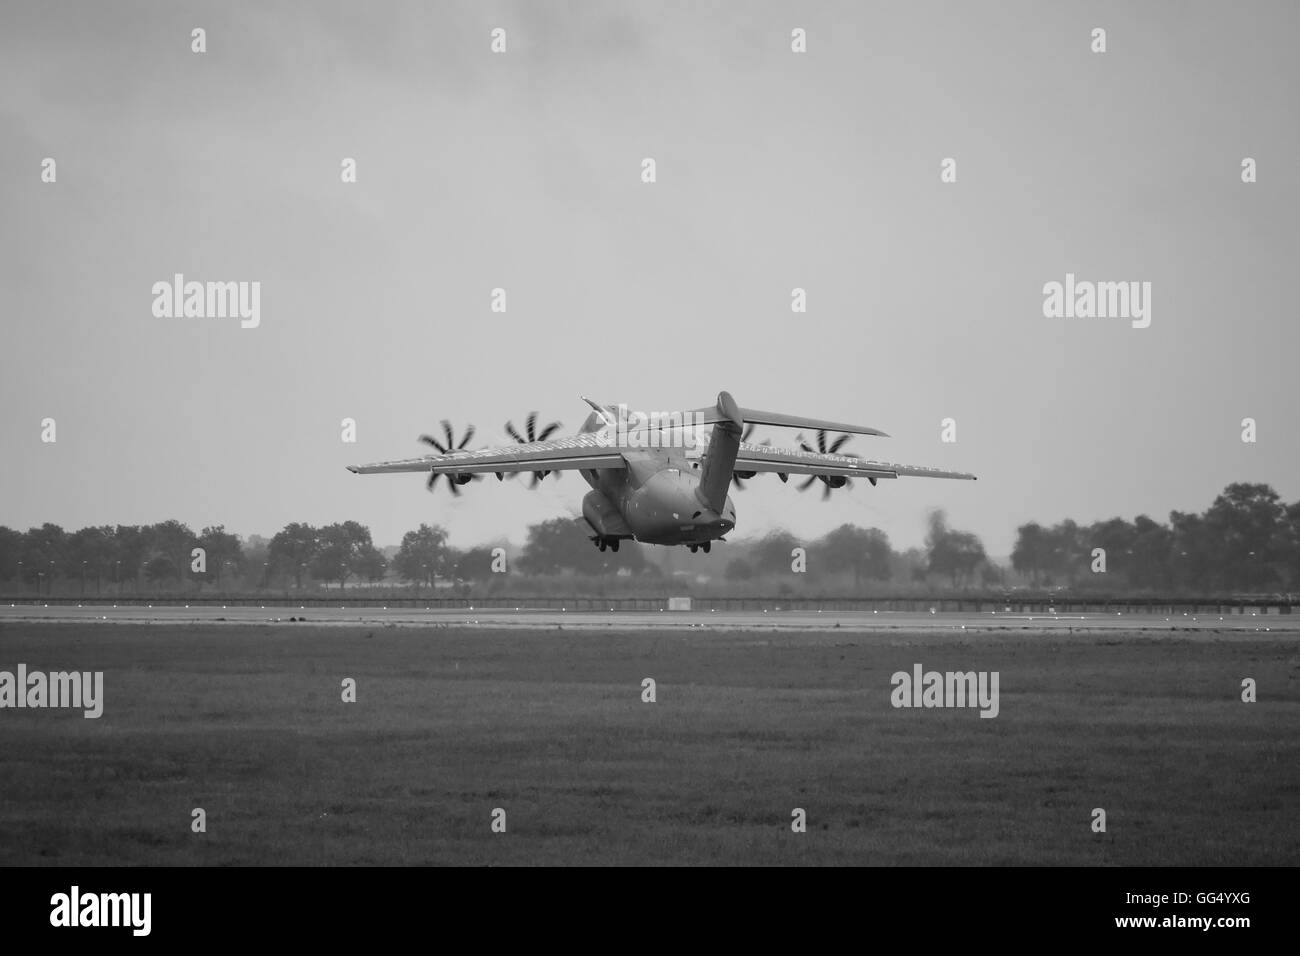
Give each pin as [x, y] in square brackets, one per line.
[633, 434]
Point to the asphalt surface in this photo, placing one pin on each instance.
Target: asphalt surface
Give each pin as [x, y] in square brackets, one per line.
[533, 618]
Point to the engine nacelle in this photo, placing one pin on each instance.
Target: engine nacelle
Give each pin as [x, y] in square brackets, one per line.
[835, 481]
[461, 479]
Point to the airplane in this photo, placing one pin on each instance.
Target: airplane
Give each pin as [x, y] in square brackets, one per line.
[656, 478]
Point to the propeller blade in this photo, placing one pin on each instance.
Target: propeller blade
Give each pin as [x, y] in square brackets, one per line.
[530, 430]
[445, 449]
[428, 440]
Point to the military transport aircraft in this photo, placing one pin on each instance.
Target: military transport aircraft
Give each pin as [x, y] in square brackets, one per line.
[656, 478]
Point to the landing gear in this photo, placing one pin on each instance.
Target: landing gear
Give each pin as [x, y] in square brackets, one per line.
[603, 543]
[701, 547]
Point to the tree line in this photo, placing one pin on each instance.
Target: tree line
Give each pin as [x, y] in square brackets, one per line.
[171, 556]
[1247, 540]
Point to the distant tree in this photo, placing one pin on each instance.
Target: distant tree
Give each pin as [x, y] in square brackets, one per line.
[1244, 526]
[45, 555]
[292, 550]
[956, 554]
[131, 551]
[1116, 538]
[556, 546]
[475, 564]
[739, 570]
[11, 552]
[864, 551]
[909, 565]
[371, 564]
[174, 541]
[422, 555]
[90, 553]
[1191, 553]
[1068, 554]
[341, 550]
[224, 554]
[160, 569]
[1289, 546]
[1032, 554]
[772, 554]
[564, 544]
[256, 562]
[1150, 559]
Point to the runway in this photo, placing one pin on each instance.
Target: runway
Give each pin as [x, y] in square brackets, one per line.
[526, 618]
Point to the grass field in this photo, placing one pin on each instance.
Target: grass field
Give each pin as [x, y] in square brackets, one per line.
[247, 723]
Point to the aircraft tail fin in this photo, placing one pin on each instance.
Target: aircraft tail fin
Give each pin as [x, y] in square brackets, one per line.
[724, 445]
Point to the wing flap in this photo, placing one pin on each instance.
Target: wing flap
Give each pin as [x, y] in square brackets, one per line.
[759, 458]
[581, 452]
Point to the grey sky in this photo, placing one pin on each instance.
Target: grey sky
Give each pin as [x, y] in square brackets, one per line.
[775, 170]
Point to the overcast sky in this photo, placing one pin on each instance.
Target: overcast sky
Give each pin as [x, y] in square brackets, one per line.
[775, 170]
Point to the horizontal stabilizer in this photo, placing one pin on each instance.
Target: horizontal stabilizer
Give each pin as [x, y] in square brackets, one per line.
[728, 411]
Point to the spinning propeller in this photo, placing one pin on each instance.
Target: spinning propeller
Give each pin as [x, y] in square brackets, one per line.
[830, 481]
[531, 435]
[443, 449]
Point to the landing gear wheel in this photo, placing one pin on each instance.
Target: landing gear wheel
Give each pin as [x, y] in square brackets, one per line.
[601, 544]
[613, 545]
[694, 548]
[706, 545]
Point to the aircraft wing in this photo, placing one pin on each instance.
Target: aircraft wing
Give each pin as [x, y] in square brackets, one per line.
[576, 452]
[785, 461]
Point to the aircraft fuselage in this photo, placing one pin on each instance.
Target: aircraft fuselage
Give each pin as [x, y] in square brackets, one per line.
[655, 500]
